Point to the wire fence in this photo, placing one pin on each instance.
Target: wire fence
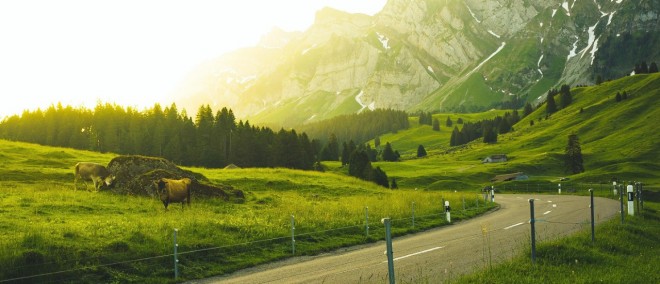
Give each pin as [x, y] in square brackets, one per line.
[188, 260]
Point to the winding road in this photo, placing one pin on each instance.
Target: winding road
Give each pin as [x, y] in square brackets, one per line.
[444, 253]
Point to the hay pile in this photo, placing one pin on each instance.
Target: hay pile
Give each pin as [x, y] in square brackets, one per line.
[135, 176]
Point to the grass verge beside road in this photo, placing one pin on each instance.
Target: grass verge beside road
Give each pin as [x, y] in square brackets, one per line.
[621, 253]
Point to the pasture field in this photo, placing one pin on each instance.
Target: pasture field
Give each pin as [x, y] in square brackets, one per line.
[52, 233]
[618, 140]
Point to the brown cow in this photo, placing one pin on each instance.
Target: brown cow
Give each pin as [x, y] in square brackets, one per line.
[173, 190]
[97, 173]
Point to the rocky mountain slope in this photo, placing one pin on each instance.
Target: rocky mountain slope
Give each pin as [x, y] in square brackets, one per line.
[454, 55]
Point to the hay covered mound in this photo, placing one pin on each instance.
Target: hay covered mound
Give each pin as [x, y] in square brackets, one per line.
[135, 176]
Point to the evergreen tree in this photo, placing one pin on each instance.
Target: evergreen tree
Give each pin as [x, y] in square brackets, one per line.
[345, 155]
[459, 121]
[624, 95]
[388, 153]
[566, 97]
[643, 68]
[377, 142]
[359, 165]
[380, 178]
[449, 123]
[551, 106]
[454, 140]
[617, 97]
[528, 110]
[573, 155]
[653, 68]
[436, 124]
[393, 185]
[421, 152]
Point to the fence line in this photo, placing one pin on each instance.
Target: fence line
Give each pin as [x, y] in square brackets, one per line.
[442, 222]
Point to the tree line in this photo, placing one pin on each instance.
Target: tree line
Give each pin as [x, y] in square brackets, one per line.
[211, 140]
[359, 127]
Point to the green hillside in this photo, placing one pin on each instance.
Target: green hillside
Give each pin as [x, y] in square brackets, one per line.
[94, 237]
[619, 139]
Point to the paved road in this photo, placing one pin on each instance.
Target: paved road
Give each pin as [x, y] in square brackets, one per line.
[440, 254]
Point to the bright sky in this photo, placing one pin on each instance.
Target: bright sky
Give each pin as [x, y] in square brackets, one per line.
[130, 52]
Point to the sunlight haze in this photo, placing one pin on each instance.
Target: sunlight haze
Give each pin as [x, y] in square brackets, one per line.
[133, 53]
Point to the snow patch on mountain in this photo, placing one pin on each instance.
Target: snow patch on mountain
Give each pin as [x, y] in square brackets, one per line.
[494, 34]
[430, 69]
[489, 57]
[572, 53]
[538, 65]
[358, 99]
[308, 49]
[384, 40]
[473, 15]
[565, 6]
[554, 11]
[592, 39]
[609, 20]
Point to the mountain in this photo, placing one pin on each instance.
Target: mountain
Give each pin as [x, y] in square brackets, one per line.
[428, 55]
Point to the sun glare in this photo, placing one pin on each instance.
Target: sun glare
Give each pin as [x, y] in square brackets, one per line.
[132, 53]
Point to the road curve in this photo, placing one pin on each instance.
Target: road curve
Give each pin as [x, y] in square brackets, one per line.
[440, 254]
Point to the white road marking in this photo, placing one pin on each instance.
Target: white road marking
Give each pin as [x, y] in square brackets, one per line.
[417, 253]
[514, 225]
[547, 212]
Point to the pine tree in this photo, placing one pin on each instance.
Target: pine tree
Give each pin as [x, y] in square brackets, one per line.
[380, 178]
[449, 123]
[566, 97]
[617, 97]
[454, 140]
[436, 124]
[551, 106]
[653, 68]
[528, 110]
[388, 153]
[359, 165]
[421, 152]
[573, 155]
[393, 185]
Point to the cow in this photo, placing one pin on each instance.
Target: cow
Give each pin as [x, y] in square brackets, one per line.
[173, 190]
[97, 173]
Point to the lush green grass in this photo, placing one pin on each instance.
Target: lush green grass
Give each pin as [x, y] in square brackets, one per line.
[617, 139]
[104, 237]
[621, 253]
[48, 227]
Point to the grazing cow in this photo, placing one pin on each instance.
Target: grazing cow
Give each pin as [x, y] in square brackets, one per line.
[173, 190]
[97, 173]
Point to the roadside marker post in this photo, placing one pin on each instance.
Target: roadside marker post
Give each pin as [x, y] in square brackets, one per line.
[293, 230]
[366, 220]
[447, 209]
[621, 200]
[631, 201]
[389, 252]
[559, 187]
[176, 259]
[413, 214]
[593, 231]
[614, 187]
[531, 222]
[492, 194]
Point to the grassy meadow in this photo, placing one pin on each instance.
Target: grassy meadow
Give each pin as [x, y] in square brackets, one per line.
[53, 233]
[62, 234]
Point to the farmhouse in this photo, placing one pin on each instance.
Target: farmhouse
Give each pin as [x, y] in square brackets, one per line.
[495, 159]
[509, 177]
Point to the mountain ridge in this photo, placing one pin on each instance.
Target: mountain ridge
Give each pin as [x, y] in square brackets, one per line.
[432, 56]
